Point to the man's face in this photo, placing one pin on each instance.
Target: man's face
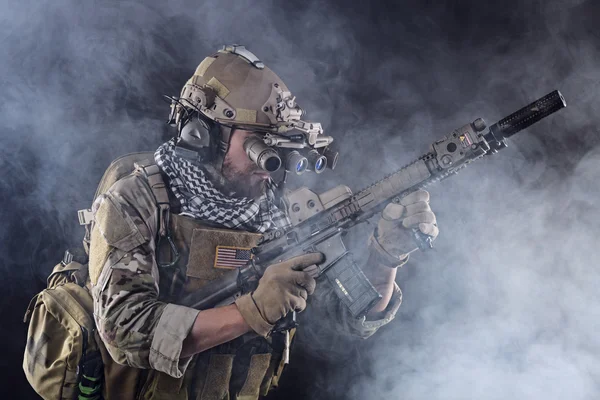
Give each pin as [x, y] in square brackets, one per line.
[243, 176]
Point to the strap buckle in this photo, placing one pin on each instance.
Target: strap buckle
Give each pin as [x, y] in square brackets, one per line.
[85, 216]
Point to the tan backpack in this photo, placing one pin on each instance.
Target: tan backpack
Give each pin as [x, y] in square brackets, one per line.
[63, 356]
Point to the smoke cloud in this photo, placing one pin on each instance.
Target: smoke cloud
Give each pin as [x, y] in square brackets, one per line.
[505, 306]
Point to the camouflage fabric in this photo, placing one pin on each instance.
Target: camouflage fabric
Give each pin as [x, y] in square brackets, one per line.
[135, 319]
[137, 328]
[344, 321]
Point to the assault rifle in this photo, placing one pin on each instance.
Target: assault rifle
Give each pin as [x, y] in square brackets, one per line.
[319, 220]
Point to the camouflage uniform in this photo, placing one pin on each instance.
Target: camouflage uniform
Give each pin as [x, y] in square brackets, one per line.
[142, 327]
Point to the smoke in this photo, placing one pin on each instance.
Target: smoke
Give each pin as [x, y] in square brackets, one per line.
[504, 307]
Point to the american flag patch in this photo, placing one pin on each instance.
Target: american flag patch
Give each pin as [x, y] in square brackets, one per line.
[232, 257]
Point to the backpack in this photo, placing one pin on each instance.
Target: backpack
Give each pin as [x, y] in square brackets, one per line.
[63, 358]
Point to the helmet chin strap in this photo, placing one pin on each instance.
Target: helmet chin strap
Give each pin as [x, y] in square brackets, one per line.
[222, 146]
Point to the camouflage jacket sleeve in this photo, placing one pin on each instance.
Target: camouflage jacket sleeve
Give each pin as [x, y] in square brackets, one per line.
[336, 312]
[137, 329]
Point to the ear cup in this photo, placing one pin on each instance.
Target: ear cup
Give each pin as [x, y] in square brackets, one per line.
[200, 136]
[195, 133]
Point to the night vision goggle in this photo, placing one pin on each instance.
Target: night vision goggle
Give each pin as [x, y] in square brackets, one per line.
[229, 89]
[271, 151]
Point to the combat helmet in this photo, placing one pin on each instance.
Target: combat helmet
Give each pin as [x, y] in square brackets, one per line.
[234, 89]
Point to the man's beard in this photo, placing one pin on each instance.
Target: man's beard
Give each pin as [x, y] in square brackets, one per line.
[244, 183]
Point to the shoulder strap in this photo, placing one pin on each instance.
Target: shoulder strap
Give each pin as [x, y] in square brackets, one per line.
[159, 190]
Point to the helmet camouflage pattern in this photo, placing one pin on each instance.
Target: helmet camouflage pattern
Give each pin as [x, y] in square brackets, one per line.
[234, 88]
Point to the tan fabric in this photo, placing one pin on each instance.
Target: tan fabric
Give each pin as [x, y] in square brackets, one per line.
[128, 285]
[221, 89]
[201, 260]
[121, 381]
[127, 311]
[256, 372]
[170, 385]
[252, 315]
[122, 167]
[216, 384]
[204, 66]
[394, 227]
[55, 340]
[117, 226]
[160, 386]
[173, 327]
[99, 250]
[383, 257]
[244, 115]
[61, 273]
[284, 287]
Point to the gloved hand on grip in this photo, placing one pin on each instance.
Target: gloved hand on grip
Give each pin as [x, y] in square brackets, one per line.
[393, 239]
[284, 287]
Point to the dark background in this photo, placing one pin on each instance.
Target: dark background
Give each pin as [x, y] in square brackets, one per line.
[505, 307]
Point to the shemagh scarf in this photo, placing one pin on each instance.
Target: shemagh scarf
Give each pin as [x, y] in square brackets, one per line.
[200, 199]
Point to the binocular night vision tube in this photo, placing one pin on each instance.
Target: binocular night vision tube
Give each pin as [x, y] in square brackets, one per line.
[267, 158]
[296, 162]
[264, 156]
[332, 158]
[317, 162]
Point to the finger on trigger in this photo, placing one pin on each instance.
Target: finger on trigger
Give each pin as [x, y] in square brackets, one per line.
[429, 229]
[303, 279]
[392, 212]
[312, 270]
[427, 217]
[414, 197]
[298, 263]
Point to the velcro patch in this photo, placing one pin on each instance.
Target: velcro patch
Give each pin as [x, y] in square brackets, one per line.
[232, 257]
[207, 242]
[244, 115]
[221, 89]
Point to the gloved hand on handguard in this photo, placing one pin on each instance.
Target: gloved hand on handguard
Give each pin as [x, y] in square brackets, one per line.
[393, 239]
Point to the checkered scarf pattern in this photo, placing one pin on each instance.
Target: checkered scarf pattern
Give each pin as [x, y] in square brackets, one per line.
[200, 199]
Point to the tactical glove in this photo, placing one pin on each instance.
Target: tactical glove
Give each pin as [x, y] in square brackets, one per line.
[283, 288]
[392, 240]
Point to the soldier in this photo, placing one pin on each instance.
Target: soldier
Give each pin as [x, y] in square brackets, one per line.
[172, 227]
